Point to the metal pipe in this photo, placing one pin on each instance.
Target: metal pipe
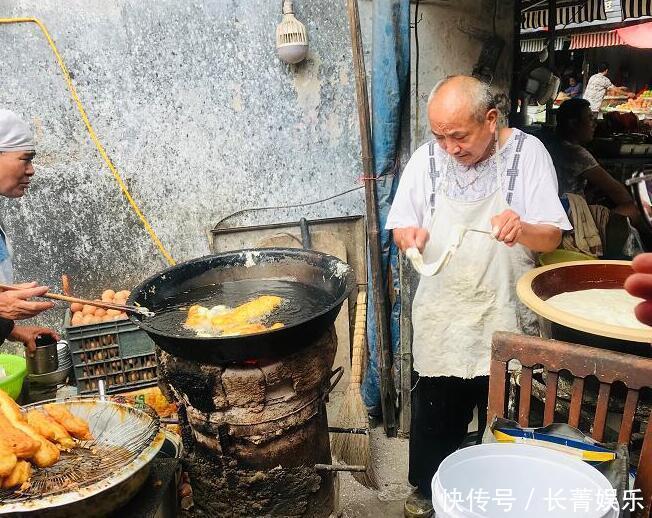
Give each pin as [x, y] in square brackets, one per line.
[356, 431]
[340, 467]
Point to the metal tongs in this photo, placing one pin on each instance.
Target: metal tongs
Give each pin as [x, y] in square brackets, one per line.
[137, 310]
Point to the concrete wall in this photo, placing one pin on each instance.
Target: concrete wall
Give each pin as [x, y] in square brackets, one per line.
[450, 41]
[197, 113]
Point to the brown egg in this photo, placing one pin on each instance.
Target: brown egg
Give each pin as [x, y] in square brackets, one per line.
[88, 309]
[76, 306]
[124, 294]
[123, 316]
[113, 312]
[108, 295]
[95, 319]
[100, 312]
[77, 318]
[87, 319]
[107, 318]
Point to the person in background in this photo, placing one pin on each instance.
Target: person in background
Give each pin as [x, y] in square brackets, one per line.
[574, 87]
[17, 151]
[597, 87]
[576, 167]
[639, 284]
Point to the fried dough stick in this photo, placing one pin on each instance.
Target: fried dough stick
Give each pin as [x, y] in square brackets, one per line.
[22, 445]
[47, 453]
[21, 473]
[248, 312]
[50, 429]
[8, 460]
[76, 426]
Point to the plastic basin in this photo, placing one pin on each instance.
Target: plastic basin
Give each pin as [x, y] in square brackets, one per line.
[535, 481]
[16, 369]
[563, 256]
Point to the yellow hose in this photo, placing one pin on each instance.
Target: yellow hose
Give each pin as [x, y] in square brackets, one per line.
[91, 132]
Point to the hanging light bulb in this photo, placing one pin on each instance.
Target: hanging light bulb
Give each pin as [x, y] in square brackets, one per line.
[291, 36]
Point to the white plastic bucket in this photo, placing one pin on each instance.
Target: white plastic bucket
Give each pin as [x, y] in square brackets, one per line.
[499, 480]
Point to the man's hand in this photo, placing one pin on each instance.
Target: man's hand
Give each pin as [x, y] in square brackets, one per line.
[640, 285]
[507, 227]
[15, 304]
[27, 335]
[410, 237]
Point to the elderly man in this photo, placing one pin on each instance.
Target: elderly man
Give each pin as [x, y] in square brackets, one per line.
[16, 170]
[479, 176]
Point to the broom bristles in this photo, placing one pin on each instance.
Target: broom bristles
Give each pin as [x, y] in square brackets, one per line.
[354, 449]
[349, 448]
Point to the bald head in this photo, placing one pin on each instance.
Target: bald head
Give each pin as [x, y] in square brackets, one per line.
[463, 118]
[465, 94]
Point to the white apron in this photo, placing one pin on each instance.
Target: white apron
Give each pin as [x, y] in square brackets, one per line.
[6, 259]
[455, 313]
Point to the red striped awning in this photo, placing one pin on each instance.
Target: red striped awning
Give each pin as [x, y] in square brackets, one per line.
[595, 39]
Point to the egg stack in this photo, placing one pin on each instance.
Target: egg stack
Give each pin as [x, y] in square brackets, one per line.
[83, 315]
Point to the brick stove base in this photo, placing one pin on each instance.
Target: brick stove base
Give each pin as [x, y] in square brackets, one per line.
[253, 433]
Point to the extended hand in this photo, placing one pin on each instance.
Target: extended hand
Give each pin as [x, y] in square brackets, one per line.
[410, 237]
[15, 304]
[507, 227]
[27, 335]
[640, 285]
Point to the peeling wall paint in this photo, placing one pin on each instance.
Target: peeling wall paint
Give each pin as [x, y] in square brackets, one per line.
[198, 115]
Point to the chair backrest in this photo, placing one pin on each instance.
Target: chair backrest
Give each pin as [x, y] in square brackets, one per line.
[635, 372]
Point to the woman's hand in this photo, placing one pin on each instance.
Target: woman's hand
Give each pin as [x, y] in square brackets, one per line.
[27, 335]
[16, 304]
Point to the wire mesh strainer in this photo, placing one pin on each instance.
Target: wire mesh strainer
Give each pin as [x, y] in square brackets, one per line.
[125, 440]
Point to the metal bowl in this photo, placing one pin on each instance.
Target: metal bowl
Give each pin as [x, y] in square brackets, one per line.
[540, 284]
[102, 474]
[57, 377]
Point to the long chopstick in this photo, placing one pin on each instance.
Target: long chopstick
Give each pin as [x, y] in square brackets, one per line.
[140, 310]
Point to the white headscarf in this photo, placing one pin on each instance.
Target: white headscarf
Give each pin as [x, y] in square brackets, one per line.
[15, 135]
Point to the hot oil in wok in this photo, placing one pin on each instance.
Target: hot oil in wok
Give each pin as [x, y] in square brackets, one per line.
[300, 303]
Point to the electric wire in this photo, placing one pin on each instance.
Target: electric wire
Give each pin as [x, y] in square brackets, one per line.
[93, 135]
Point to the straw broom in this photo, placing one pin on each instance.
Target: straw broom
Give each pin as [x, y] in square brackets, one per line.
[353, 448]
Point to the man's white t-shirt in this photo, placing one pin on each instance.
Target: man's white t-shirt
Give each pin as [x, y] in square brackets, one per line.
[527, 178]
[596, 89]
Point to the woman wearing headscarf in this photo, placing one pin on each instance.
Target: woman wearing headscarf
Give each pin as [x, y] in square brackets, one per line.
[17, 151]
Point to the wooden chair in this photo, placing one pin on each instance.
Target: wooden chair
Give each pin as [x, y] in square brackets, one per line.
[635, 372]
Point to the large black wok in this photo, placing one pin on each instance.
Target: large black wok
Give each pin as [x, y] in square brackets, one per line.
[307, 267]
